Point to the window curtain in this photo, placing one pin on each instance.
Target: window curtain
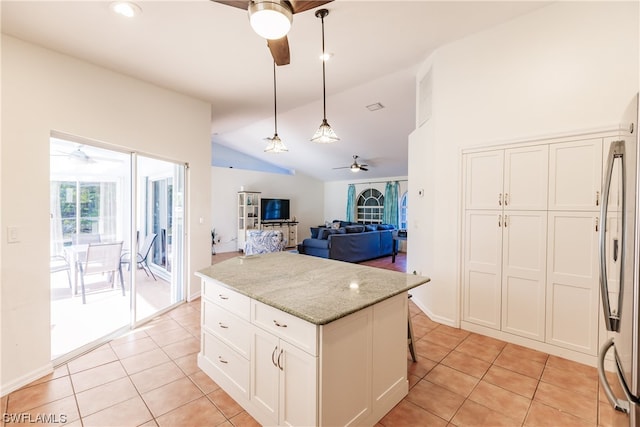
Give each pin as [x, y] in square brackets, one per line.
[108, 211]
[351, 203]
[56, 242]
[390, 212]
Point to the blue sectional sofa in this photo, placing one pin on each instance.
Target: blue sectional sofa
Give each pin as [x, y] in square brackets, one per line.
[350, 242]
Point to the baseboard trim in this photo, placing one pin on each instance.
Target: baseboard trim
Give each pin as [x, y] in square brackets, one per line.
[25, 379]
[436, 318]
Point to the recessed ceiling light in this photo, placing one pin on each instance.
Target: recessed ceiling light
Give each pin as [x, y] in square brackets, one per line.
[374, 107]
[125, 8]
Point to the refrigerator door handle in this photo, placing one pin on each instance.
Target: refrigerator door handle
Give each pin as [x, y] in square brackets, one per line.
[612, 319]
[618, 404]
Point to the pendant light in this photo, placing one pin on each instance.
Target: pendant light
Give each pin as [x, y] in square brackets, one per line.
[275, 145]
[324, 134]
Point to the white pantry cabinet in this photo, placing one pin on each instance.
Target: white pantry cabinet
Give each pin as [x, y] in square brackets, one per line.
[505, 265]
[504, 239]
[572, 281]
[482, 281]
[575, 175]
[529, 262]
[507, 179]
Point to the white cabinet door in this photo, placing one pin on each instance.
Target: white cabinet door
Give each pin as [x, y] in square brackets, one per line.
[298, 387]
[526, 176]
[524, 273]
[483, 267]
[483, 180]
[575, 175]
[265, 374]
[283, 381]
[572, 281]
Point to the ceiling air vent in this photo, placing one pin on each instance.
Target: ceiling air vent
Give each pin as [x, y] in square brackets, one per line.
[374, 107]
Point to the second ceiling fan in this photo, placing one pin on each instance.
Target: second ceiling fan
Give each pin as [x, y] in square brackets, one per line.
[355, 166]
[283, 10]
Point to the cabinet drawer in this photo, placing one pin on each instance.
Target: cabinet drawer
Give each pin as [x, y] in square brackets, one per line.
[228, 362]
[231, 329]
[292, 329]
[232, 301]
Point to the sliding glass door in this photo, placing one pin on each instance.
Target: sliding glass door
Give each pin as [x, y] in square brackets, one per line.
[100, 200]
[160, 222]
[90, 193]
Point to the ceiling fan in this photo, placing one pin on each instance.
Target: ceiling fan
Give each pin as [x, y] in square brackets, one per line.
[355, 166]
[279, 47]
[80, 156]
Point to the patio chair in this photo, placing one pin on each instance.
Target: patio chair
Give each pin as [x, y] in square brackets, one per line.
[101, 258]
[142, 256]
[58, 263]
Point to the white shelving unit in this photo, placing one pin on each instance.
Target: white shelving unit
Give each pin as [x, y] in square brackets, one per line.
[248, 215]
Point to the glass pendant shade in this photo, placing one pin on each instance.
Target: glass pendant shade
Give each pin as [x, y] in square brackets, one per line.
[324, 134]
[270, 19]
[275, 145]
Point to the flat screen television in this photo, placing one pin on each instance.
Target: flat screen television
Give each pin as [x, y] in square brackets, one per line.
[274, 209]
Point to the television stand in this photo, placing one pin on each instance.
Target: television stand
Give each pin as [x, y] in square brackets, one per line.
[289, 230]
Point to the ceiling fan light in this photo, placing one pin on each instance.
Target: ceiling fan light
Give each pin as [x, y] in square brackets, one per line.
[270, 19]
[125, 8]
[324, 134]
[355, 168]
[275, 145]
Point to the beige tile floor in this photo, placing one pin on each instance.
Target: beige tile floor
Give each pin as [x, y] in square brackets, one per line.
[150, 377]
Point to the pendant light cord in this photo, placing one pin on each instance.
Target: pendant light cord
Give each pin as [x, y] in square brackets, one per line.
[324, 86]
[275, 102]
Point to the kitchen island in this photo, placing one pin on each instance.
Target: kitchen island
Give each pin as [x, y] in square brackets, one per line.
[301, 340]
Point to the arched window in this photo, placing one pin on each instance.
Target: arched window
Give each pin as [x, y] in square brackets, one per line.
[403, 211]
[370, 205]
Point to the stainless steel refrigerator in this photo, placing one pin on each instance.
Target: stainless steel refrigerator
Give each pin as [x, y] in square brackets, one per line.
[619, 242]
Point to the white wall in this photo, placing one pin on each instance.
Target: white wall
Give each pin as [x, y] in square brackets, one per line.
[43, 91]
[304, 192]
[335, 194]
[569, 66]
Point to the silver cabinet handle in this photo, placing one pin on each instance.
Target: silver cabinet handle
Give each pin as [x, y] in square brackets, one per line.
[273, 356]
[223, 296]
[597, 224]
[280, 325]
[500, 199]
[505, 221]
[499, 220]
[280, 357]
[597, 198]
[221, 360]
[222, 325]
[506, 199]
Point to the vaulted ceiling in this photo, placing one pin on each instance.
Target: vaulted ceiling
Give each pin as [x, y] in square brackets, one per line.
[208, 50]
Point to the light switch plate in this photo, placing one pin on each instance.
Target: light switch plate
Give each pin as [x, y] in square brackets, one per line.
[12, 235]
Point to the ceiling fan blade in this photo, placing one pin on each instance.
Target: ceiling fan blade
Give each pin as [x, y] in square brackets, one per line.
[239, 3]
[362, 168]
[302, 5]
[343, 167]
[280, 50]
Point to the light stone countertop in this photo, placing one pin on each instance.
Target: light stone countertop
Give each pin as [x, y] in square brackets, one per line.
[315, 289]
